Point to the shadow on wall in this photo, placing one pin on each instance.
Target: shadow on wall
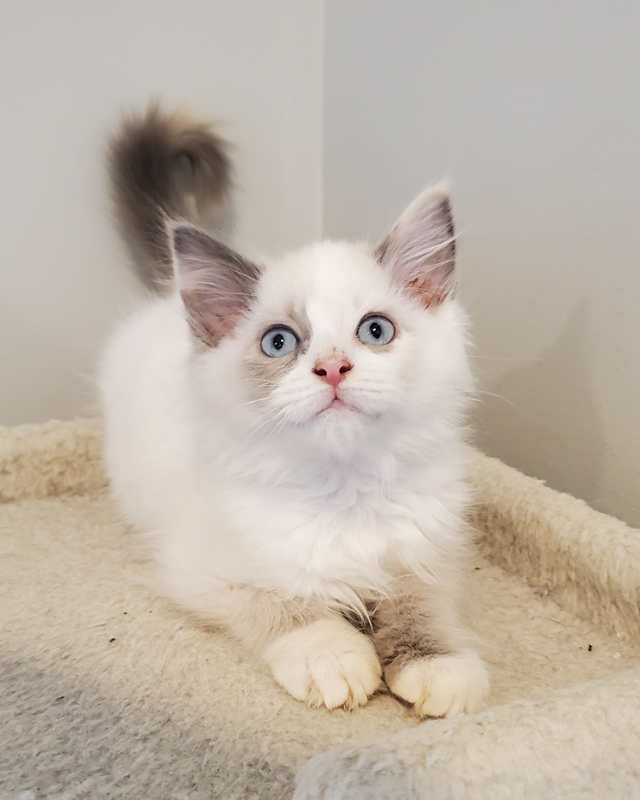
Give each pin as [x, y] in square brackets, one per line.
[544, 420]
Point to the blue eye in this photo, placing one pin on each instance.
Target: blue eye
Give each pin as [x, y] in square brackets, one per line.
[279, 341]
[375, 330]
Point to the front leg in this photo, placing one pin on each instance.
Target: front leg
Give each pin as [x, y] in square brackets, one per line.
[326, 663]
[312, 651]
[425, 653]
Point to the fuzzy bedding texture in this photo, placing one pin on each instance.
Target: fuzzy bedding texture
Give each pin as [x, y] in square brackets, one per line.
[109, 691]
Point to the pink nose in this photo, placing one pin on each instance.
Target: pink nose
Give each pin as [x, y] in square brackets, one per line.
[332, 371]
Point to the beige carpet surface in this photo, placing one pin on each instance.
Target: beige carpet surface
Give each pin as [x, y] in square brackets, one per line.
[108, 691]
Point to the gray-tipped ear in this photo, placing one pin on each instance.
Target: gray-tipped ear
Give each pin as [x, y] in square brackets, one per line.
[420, 251]
[217, 285]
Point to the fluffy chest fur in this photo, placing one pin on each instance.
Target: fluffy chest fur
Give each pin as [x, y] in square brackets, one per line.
[337, 529]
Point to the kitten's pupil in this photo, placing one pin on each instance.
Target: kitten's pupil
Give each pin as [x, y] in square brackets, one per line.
[278, 341]
[375, 330]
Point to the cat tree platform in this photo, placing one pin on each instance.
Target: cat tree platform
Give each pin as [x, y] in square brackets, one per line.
[109, 691]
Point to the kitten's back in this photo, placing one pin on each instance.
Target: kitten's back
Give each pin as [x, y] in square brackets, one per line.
[166, 166]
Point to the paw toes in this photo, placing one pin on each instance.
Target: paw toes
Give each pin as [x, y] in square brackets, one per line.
[327, 664]
[330, 685]
[443, 686]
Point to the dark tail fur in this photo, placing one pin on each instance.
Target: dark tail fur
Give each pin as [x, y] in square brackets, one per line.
[165, 166]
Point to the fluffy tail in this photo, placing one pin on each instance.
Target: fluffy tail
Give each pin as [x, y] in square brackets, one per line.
[165, 166]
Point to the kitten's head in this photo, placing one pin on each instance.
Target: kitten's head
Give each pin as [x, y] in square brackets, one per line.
[333, 343]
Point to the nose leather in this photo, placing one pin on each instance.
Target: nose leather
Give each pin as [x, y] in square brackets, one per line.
[332, 371]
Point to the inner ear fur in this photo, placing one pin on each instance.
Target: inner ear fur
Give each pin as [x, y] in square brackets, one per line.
[420, 251]
[217, 284]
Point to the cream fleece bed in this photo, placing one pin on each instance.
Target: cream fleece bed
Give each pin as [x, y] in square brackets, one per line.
[108, 691]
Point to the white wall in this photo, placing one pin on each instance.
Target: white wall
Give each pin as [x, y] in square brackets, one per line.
[67, 70]
[532, 109]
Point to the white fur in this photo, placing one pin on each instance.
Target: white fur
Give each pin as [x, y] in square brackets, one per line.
[444, 686]
[238, 484]
[328, 663]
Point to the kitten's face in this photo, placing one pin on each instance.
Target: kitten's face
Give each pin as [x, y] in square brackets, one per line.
[320, 309]
[333, 342]
[349, 340]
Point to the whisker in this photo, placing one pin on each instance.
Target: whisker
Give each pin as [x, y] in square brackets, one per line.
[500, 397]
[251, 402]
[505, 358]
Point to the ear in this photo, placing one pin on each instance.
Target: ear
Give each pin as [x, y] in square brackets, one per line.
[420, 251]
[217, 285]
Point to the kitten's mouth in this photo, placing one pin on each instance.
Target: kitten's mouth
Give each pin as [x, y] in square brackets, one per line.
[337, 403]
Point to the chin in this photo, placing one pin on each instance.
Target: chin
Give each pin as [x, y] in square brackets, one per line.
[340, 429]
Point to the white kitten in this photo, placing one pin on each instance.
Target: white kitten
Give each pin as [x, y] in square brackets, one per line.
[289, 434]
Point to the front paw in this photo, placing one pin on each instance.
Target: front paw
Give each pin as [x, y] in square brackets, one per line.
[328, 663]
[441, 686]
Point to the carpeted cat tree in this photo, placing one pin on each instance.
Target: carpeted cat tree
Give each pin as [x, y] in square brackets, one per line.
[109, 691]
